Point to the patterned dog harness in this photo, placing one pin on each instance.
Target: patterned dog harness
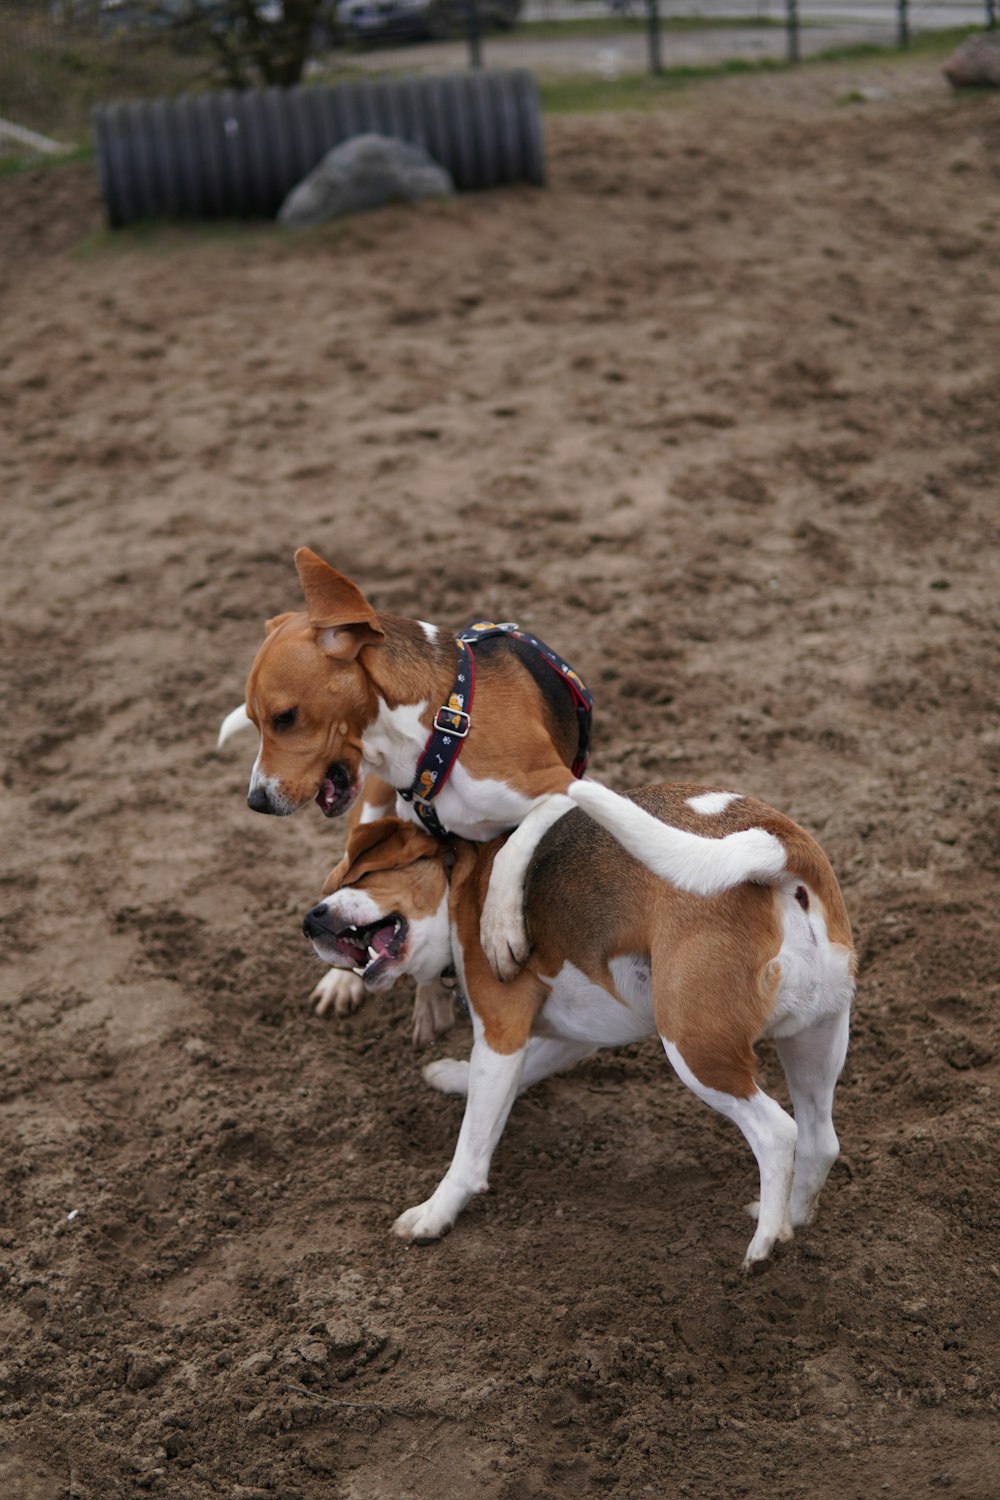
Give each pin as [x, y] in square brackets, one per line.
[453, 721]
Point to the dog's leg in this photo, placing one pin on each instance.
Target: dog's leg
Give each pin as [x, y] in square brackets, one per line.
[812, 1060]
[549, 1054]
[544, 1056]
[502, 928]
[433, 1012]
[449, 1075]
[493, 1084]
[339, 990]
[771, 1134]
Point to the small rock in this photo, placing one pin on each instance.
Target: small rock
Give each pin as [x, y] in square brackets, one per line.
[314, 1353]
[975, 64]
[345, 1336]
[364, 172]
[143, 1370]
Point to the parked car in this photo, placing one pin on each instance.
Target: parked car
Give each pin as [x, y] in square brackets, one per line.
[361, 19]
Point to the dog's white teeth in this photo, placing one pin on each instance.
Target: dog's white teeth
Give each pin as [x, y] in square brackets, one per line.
[360, 971]
[396, 927]
[372, 952]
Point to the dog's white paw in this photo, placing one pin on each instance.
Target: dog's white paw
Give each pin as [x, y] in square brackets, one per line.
[339, 990]
[449, 1075]
[503, 934]
[753, 1209]
[423, 1224]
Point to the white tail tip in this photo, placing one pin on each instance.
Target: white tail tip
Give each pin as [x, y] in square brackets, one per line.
[232, 724]
[703, 866]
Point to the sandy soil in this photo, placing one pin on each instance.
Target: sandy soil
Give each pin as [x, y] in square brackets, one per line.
[716, 413]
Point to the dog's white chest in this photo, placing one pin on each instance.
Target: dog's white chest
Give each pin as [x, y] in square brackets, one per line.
[477, 809]
[579, 1009]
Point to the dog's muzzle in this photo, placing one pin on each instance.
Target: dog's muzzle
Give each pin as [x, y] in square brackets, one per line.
[259, 801]
[368, 949]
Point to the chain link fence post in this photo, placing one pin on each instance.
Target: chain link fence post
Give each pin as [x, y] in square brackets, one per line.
[792, 49]
[653, 34]
[902, 23]
[474, 32]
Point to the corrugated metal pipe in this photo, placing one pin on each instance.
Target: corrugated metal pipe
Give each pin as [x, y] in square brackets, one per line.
[238, 155]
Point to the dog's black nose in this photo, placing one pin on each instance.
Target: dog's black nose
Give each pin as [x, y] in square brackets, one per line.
[312, 922]
[258, 801]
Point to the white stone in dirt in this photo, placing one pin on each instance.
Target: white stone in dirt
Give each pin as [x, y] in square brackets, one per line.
[975, 64]
[364, 172]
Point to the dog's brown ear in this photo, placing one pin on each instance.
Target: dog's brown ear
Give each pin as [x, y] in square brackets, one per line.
[336, 607]
[270, 626]
[387, 843]
[335, 879]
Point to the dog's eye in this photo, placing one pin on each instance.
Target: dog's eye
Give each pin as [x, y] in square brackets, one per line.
[285, 720]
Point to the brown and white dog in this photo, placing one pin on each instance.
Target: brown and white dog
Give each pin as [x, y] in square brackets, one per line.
[618, 953]
[343, 695]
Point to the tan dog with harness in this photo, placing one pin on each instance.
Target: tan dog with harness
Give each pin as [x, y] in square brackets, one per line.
[472, 735]
[619, 953]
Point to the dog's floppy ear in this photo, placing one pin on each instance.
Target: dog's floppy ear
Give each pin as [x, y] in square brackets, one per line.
[337, 608]
[270, 626]
[387, 843]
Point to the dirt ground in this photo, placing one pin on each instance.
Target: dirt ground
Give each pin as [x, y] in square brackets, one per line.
[716, 413]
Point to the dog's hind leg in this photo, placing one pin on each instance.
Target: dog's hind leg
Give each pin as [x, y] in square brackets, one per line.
[770, 1133]
[812, 1060]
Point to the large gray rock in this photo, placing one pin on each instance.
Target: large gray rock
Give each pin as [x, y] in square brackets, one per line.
[364, 172]
[976, 63]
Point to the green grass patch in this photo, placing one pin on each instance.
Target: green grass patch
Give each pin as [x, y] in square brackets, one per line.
[585, 94]
[20, 160]
[925, 44]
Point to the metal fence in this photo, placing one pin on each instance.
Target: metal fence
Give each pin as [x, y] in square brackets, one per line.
[59, 57]
[616, 38]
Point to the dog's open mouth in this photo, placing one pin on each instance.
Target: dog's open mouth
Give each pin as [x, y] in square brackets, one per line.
[337, 791]
[368, 950]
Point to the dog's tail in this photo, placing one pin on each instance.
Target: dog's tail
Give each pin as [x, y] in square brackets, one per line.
[232, 724]
[702, 866]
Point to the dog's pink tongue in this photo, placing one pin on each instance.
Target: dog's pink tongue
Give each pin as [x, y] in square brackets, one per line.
[380, 940]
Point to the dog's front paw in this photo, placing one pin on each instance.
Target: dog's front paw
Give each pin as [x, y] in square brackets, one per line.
[340, 990]
[449, 1075]
[503, 935]
[423, 1224]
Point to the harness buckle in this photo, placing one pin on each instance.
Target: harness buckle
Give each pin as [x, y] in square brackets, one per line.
[452, 714]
